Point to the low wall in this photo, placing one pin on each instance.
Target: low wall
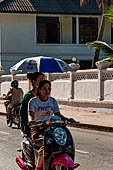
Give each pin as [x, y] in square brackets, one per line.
[86, 89]
[80, 85]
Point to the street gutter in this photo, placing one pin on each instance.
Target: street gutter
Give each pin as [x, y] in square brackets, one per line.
[84, 126]
[92, 127]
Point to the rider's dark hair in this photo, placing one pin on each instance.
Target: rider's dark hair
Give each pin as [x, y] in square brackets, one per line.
[33, 76]
[41, 84]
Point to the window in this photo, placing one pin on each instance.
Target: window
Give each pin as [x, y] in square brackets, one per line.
[85, 64]
[88, 30]
[48, 30]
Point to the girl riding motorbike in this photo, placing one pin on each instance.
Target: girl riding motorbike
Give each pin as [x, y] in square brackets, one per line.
[42, 108]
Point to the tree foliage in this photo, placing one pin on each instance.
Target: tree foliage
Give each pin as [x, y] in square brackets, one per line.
[103, 46]
[109, 13]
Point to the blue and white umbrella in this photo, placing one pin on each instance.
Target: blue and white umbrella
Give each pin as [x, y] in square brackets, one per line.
[41, 64]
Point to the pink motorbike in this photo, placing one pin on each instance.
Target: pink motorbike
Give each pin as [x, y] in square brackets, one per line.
[59, 148]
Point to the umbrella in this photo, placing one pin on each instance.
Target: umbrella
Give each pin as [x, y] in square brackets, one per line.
[41, 64]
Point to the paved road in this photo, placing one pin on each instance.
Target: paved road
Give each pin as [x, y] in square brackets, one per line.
[9, 142]
[94, 150]
[88, 119]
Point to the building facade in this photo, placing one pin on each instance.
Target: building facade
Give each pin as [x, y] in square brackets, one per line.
[49, 28]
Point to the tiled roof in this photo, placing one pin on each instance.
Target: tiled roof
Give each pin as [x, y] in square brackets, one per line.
[48, 7]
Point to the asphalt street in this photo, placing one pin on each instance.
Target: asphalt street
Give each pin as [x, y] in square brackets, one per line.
[88, 119]
[94, 149]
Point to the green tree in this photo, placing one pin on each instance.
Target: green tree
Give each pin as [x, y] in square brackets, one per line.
[103, 46]
[109, 13]
[103, 5]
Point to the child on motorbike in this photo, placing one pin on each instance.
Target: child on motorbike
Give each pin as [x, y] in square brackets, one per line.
[35, 78]
[42, 107]
[16, 95]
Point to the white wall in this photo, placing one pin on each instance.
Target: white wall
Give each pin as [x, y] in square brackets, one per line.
[18, 37]
[86, 89]
[61, 89]
[108, 90]
[18, 33]
[79, 85]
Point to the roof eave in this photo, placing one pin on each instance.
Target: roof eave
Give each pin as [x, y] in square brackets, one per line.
[60, 13]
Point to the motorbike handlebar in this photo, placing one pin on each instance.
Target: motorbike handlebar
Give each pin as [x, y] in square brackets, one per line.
[48, 122]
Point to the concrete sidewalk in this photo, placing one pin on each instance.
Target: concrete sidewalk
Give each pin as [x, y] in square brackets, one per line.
[91, 119]
[102, 121]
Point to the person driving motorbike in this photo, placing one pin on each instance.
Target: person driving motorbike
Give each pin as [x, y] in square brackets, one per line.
[16, 95]
[35, 78]
[42, 107]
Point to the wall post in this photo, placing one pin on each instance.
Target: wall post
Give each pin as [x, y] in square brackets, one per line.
[71, 85]
[48, 76]
[100, 86]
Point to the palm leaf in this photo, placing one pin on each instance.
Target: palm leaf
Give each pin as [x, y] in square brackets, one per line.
[109, 13]
[104, 47]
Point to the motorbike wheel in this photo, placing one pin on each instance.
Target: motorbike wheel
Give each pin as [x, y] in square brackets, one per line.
[19, 124]
[16, 118]
[29, 168]
[19, 127]
[17, 112]
[9, 122]
[29, 165]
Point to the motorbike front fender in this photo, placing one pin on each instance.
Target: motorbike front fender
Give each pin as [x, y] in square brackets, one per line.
[64, 160]
[21, 163]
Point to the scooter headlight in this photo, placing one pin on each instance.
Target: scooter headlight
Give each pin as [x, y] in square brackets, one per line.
[60, 136]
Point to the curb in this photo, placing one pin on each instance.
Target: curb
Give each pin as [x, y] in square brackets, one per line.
[106, 106]
[92, 127]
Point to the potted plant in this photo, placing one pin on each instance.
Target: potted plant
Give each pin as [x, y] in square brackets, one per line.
[107, 50]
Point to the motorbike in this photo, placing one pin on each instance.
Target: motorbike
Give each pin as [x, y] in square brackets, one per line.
[14, 115]
[6, 103]
[59, 147]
